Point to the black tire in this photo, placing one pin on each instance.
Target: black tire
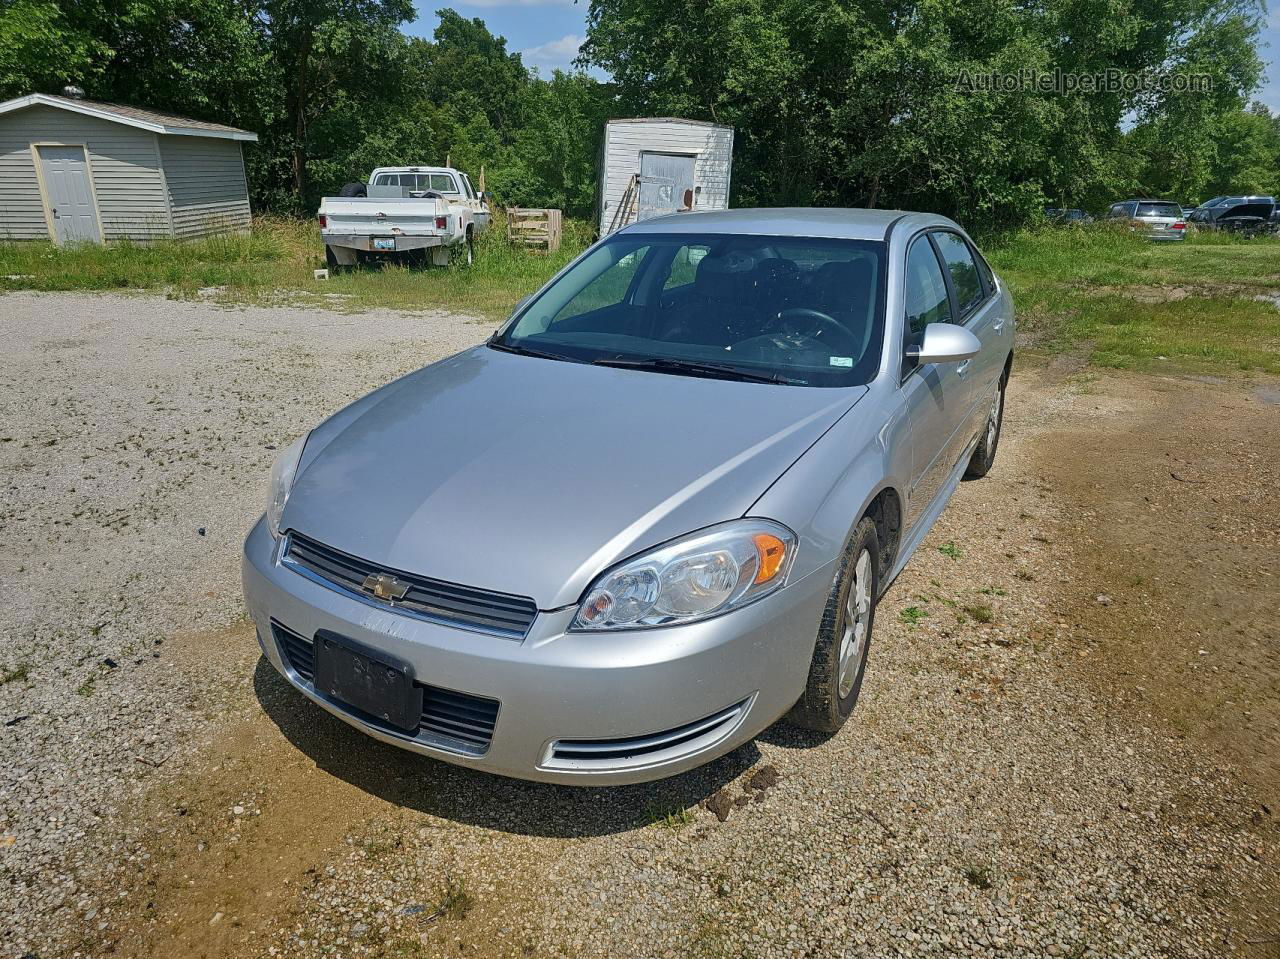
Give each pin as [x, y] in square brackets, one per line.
[470, 258]
[353, 190]
[984, 455]
[824, 707]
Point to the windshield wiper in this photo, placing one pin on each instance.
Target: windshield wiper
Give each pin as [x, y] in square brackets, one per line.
[528, 351]
[665, 364]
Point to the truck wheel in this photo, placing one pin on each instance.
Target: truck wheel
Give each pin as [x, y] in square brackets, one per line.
[354, 189]
[844, 636]
[470, 248]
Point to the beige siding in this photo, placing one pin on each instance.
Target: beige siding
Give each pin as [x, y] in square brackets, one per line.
[207, 191]
[626, 139]
[126, 174]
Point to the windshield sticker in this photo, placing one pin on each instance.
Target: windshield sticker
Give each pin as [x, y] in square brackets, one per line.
[842, 361]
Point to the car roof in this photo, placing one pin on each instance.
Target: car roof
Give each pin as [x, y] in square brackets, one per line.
[826, 222]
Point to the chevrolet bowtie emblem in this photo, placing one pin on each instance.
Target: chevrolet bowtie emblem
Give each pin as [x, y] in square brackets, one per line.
[384, 586]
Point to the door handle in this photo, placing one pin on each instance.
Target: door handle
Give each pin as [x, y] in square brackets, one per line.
[963, 368]
[998, 324]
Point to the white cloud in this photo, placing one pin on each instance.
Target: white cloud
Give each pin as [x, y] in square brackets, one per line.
[555, 53]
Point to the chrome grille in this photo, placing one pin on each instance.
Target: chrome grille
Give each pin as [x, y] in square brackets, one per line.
[431, 599]
[451, 720]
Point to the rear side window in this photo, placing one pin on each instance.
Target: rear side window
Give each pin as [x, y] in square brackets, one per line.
[926, 291]
[1159, 209]
[988, 278]
[964, 272]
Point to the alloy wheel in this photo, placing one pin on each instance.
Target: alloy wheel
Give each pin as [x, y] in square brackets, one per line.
[857, 618]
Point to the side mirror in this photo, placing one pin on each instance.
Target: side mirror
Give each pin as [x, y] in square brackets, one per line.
[945, 343]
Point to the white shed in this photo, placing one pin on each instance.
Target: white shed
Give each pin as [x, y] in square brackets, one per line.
[650, 166]
[77, 170]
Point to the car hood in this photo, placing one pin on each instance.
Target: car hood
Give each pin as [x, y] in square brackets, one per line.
[531, 476]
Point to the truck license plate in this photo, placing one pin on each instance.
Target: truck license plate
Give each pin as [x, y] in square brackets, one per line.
[384, 243]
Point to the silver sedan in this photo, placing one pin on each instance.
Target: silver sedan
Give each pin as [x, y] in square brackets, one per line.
[654, 513]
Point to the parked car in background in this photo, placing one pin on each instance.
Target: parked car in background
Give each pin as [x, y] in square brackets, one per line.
[1238, 214]
[655, 511]
[1067, 216]
[404, 213]
[1159, 220]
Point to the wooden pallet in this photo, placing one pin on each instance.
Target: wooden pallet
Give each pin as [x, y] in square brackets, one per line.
[540, 229]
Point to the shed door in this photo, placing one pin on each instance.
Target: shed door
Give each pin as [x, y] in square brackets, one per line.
[68, 195]
[663, 179]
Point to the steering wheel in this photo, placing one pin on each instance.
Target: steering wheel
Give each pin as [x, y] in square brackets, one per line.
[803, 323]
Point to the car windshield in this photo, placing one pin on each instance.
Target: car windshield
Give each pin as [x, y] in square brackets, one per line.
[786, 309]
[1159, 209]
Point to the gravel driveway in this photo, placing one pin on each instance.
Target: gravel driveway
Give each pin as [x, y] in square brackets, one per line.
[171, 796]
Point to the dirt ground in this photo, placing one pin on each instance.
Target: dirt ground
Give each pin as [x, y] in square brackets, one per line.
[1068, 745]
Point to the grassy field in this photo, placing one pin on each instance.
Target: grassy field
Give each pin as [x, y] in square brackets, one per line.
[1209, 304]
[275, 262]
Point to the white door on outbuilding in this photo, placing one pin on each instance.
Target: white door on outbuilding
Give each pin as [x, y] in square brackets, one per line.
[68, 194]
[664, 178]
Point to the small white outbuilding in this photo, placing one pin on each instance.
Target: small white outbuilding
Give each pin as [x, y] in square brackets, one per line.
[75, 170]
[656, 165]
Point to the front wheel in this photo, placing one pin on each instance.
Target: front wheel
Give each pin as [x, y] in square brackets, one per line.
[844, 636]
[984, 454]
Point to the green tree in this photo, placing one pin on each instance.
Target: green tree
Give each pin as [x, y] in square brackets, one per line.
[42, 50]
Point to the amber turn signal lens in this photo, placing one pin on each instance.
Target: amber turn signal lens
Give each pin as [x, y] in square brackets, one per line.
[771, 551]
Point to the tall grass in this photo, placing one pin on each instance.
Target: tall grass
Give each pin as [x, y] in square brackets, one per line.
[275, 262]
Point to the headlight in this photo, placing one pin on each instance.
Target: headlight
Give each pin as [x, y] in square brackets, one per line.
[695, 577]
[283, 471]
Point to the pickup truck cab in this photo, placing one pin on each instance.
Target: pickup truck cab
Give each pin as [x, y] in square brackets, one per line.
[408, 213]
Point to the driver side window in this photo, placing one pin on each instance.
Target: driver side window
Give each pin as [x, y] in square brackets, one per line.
[926, 292]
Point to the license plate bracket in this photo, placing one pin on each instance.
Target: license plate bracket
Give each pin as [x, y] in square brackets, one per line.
[384, 242]
[368, 680]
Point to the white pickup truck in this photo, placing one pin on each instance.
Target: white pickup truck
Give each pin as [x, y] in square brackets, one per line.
[406, 213]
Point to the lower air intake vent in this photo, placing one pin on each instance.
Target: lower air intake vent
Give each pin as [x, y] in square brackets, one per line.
[451, 720]
[602, 754]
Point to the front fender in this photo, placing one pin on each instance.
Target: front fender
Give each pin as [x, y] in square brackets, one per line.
[829, 489]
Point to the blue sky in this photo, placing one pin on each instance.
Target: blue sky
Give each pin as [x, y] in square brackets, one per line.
[547, 33]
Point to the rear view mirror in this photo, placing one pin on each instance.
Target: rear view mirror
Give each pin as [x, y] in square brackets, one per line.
[945, 343]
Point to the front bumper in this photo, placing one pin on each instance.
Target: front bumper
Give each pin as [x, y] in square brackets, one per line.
[683, 695]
